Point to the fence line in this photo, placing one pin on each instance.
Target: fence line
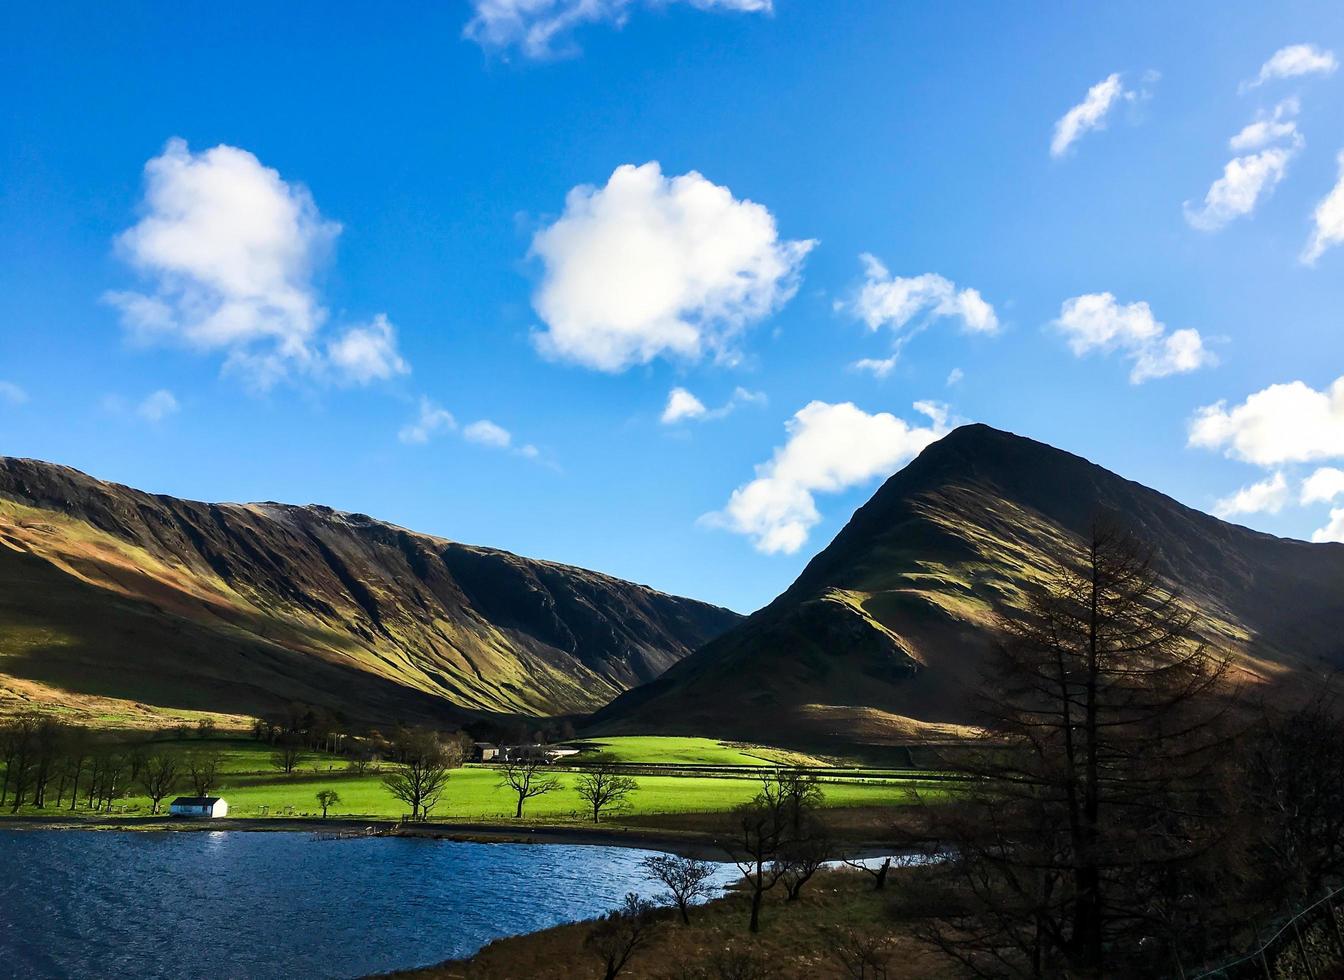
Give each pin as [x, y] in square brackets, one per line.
[1260, 955]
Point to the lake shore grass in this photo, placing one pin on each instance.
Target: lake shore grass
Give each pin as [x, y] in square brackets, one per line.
[795, 941]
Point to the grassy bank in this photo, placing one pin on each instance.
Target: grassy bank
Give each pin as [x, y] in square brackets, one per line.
[795, 941]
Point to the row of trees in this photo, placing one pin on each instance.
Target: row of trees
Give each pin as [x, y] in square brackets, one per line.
[49, 764]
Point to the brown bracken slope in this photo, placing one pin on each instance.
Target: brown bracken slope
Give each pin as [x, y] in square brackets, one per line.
[126, 598]
[881, 638]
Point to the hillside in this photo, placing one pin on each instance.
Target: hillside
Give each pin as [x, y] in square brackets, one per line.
[113, 601]
[881, 637]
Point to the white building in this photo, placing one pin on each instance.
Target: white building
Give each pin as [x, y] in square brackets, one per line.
[199, 806]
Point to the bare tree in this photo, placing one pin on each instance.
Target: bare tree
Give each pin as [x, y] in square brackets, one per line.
[726, 964]
[526, 776]
[1096, 798]
[758, 830]
[159, 776]
[604, 788]
[203, 769]
[421, 777]
[863, 956]
[878, 872]
[288, 754]
[803, 855]
[21, 756]
[205, 728]
[685, 879]
[621, 933]
[327, 798]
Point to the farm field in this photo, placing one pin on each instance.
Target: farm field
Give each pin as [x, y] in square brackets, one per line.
[254, 788]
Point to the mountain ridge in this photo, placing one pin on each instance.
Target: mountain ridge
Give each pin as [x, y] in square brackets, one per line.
[311, 594]
[885, 628]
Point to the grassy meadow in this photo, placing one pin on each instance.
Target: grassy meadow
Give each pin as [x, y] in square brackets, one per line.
[254, 787]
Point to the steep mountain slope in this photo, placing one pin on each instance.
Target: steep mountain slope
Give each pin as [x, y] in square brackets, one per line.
[109, 592]
[881, 637]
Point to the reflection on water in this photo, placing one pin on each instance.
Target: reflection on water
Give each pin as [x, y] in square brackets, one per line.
[261, 905]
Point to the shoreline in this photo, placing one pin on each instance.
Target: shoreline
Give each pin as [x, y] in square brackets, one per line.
[701, 846]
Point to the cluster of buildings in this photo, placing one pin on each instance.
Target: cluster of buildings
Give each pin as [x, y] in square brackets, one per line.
[492, 752]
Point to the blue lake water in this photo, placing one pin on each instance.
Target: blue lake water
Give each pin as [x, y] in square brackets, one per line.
[262, 905]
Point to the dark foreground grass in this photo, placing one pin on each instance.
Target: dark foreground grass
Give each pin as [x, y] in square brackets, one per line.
[794, 942]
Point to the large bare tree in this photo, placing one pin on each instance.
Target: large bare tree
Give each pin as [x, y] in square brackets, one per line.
[421, 776]
[686, 879]
[603, 787]
[525, 774]
[1096, 800]
[159, 776]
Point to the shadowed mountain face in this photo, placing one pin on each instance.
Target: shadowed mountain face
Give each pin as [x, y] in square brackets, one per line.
[882, 636]
[110, 593]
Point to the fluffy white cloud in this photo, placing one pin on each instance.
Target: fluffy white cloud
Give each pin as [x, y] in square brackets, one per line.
[1266, 497]
[487, 433]
[538, 27]
[830, 448]
[157, 406]
[650, 265]
[1284, 423]
[1329, 220]
[1293, 61]
[229, 250]
[1333, 530]
[1087, 115]
[12, 393]
[1323, 487]
[1266, 146]
[1095, 321]
[367, 353]
[887, 300]
[430, 422]
[682, 406]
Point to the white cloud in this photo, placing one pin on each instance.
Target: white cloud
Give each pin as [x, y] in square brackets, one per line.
[1266, 497]
[367, 353]
[1284, 423]
[1087, 115]
[683, 406]
[887, 300]
[539, 27]
[1329, 220]
[432, 421]
[830, 448]
[1251, 177]
[651, 266]
[157, 406]
[955, 376]
[487, 433]
[1293, 61]
[1095, 321]
[12, 393]
[1323, 487]
[1333, 530]
[229, 250]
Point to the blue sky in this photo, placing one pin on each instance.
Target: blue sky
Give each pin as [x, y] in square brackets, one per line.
[361, 237]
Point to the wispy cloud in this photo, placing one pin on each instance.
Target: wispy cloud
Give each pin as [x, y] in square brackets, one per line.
[683, 406]
[1250, 177]
[1293, 61]
[1091, 114]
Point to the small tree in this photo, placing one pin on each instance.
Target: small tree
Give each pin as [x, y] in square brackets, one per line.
[604, 788]
[327, 798]
[205, 728]
[527, 778]
[758, 831]
[159, 776]
[203, 768]
[878, 872]
[803, 856]
[863, 956]
[619, 934]
[685, 879]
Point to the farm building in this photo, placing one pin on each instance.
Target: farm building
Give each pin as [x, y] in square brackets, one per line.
[198, 806]
[485, 751]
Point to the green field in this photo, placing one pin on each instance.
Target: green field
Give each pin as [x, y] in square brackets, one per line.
[671, 750]
[254, 788]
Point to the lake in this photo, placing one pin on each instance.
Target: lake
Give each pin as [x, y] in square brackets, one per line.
[260, 905]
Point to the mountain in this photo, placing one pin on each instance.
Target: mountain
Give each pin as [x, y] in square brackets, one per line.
[881, 637]
[114, 600]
